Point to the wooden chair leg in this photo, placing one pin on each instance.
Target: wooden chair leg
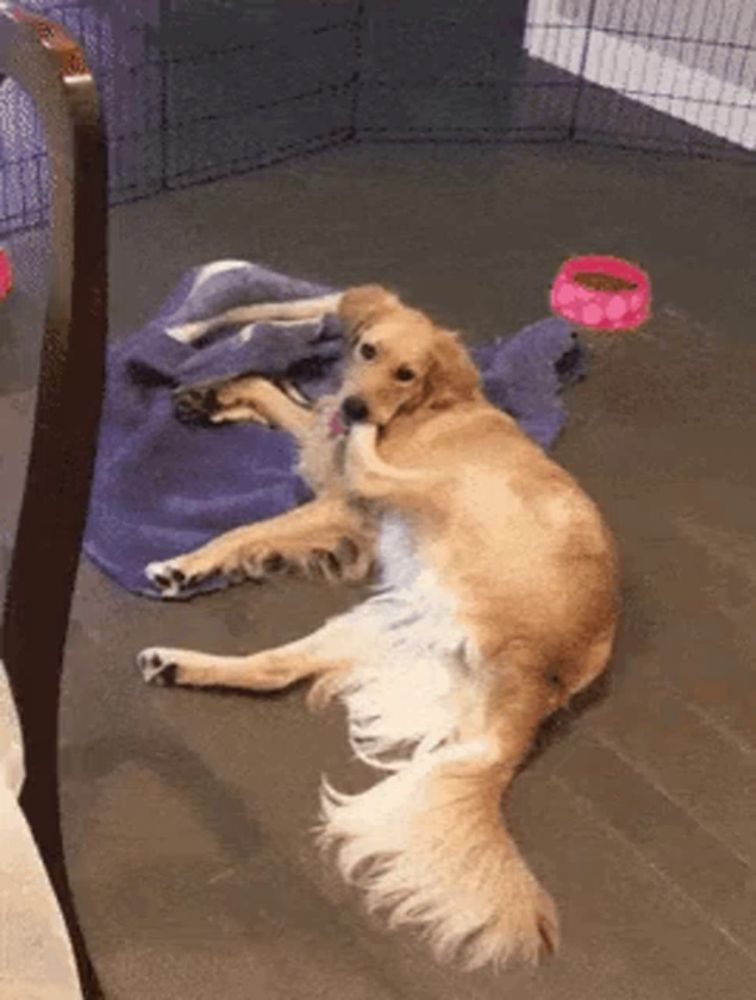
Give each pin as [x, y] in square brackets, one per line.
[50, 66]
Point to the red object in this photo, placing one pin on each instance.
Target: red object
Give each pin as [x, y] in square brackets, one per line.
[601, 293]
[6, 277]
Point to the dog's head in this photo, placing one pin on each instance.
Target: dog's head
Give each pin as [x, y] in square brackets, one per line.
[399, 360]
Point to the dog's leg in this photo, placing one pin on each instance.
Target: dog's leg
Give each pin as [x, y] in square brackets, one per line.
[247, 399]
[324, 536]
[327, 654]
[271, 403]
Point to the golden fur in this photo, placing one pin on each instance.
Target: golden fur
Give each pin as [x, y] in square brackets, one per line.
[527, 566]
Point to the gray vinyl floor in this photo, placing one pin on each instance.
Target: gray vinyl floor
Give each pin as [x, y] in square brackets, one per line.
[187, 814]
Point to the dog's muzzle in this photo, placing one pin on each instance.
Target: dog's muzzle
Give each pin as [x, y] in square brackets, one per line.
[354, 409]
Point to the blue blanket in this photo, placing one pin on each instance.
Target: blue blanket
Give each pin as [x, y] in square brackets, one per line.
[163, 487]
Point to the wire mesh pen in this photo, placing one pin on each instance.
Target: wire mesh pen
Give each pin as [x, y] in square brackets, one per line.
[197, 91]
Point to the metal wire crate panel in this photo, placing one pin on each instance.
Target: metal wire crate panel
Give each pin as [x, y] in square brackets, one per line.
[677, 75]
[271, 88]
[445, 73]
[191, 91]
[194, 90]
[130, 90]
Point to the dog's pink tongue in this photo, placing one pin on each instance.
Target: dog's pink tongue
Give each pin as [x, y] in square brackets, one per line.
[336, 424]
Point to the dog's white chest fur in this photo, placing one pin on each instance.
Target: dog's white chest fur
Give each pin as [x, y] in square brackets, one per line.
[400, 697]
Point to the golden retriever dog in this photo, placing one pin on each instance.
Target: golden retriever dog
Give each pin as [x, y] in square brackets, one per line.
[496, 602]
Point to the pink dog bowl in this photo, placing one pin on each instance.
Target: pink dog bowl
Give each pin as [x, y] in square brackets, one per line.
[601, 293]
[6, 280]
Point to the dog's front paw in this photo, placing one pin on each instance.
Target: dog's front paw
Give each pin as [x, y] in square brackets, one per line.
[195, 405]
[170, 579]
[157, 667]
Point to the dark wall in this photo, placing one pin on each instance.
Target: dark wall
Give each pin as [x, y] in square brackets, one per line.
[247, 83]
[443, 69]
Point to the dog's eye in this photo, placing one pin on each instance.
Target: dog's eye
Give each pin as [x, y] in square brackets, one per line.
[367, 351]
[404, 374]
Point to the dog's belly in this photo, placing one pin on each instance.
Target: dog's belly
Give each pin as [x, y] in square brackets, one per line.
[405, 690]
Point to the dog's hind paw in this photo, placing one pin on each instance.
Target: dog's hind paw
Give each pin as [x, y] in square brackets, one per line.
[157, 668]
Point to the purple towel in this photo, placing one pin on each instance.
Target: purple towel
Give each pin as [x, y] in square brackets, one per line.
[163, 487]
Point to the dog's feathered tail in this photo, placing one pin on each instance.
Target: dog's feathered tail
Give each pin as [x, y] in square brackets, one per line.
[428, 846]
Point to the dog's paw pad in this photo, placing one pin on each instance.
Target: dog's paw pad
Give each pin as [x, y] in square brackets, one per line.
[169, 579]
[192, 406]
[156, 668]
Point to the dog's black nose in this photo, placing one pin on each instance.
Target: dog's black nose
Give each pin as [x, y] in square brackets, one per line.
[354, 409]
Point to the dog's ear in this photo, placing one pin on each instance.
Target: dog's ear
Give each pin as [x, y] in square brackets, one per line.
[452, 377]
[363, 306]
